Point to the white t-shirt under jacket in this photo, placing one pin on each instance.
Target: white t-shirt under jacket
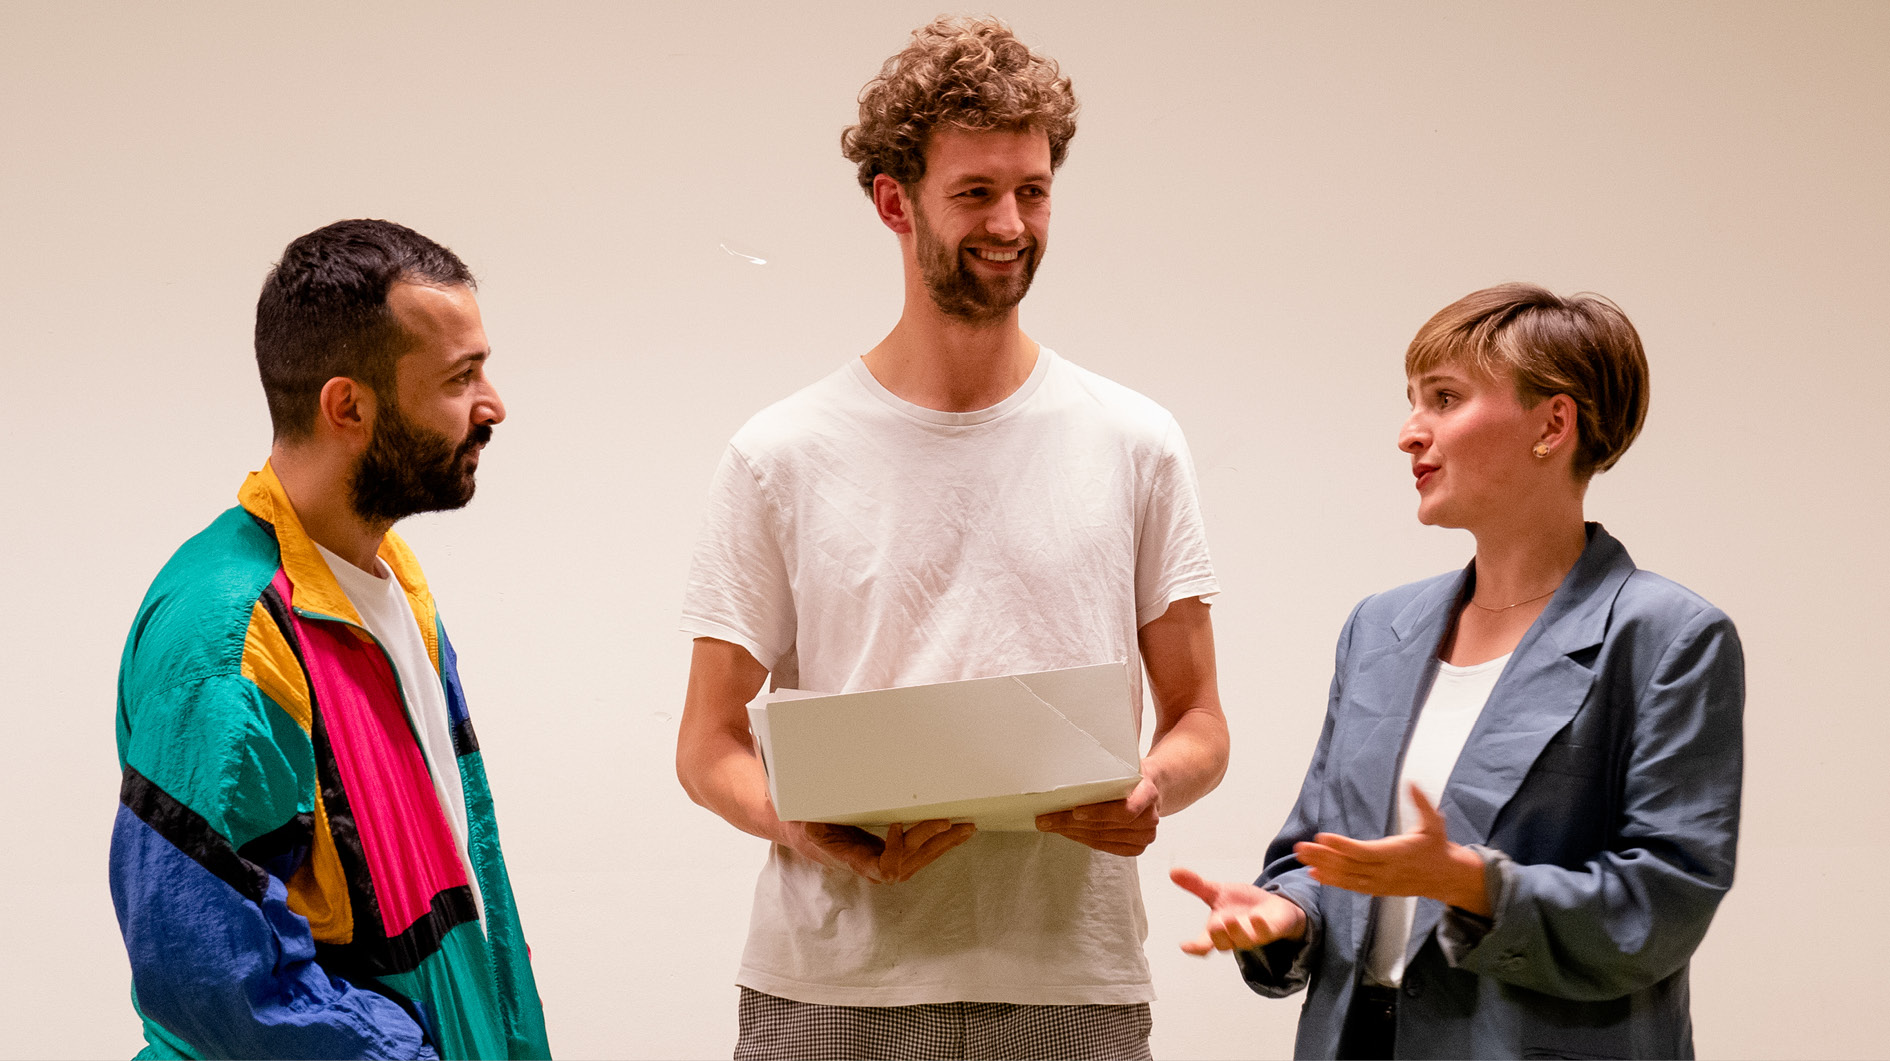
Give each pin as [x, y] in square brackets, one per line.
[1451, 709]
[856, 541]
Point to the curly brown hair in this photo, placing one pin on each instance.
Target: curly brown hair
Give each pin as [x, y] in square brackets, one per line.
[969, 72]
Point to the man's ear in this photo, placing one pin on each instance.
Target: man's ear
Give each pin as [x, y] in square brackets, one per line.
[890, 200]
[345, 409]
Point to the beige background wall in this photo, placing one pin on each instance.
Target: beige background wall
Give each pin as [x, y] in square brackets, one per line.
[1263, 203]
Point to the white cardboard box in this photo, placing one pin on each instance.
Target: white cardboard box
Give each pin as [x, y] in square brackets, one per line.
[994, 751]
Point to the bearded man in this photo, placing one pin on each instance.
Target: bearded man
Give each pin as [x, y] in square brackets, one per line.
[305, 861]
[958, 503]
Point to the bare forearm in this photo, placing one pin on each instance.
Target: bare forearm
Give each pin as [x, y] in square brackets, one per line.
[1189, 754]
[1188, 761]
[715, 757]
[731, 781]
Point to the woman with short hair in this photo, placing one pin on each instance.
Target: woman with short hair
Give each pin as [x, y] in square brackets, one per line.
[1564, 729]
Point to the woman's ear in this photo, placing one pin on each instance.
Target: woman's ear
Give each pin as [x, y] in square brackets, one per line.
[1559, 427]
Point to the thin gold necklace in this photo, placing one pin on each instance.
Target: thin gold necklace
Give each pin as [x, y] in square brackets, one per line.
[1507, 607]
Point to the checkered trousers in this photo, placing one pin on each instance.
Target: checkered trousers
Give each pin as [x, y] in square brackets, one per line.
[778, 1029]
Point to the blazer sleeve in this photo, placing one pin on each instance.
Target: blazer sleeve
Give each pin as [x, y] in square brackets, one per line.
[1633, 915]
[1285, 967]
[207, 834]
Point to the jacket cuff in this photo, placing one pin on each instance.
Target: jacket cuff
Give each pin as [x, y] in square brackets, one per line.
[1284, 967]
[1460, 931]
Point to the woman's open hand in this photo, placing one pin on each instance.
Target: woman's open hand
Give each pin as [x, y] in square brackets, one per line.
[1240, 916]
[1422, 862]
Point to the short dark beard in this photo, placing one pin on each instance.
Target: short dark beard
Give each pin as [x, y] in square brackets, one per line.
[955, 289]
[408, 469]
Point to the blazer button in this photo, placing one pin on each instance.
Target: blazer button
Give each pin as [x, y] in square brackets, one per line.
[1412, 989]
[1514, 962]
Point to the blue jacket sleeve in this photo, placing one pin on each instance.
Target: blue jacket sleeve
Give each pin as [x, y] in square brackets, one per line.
[1286, 967]
[220, 964]
[1633, 915]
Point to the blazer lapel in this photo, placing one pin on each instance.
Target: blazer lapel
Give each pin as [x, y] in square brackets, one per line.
[1540, 690]
[1388, 683]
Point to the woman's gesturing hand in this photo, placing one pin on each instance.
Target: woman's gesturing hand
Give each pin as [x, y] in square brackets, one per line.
[1422, 862]
[1240, 916]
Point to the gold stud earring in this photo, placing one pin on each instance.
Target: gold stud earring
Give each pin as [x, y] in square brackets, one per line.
[1541, 450]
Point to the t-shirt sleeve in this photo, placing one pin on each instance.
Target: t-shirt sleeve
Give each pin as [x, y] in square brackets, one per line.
[1171, 554]
[738, 583]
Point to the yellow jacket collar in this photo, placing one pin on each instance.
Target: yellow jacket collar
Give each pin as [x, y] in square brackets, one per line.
[314, 587]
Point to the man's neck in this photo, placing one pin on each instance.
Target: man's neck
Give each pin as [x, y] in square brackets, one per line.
[939, 362]
[317, 485]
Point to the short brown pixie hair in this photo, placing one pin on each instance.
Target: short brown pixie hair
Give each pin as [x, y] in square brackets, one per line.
[969, 72]
[1582, 346]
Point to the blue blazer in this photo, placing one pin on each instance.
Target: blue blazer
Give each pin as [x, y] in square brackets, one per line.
[1606, 766]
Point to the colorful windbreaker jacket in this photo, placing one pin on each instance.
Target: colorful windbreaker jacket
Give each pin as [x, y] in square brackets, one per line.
[285, 879]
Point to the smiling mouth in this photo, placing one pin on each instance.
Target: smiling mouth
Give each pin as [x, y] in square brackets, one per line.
[992, 255]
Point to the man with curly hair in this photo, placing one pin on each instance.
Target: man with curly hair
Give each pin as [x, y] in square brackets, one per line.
[958, 503]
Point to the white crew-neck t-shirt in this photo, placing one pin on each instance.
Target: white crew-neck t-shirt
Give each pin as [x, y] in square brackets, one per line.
[388, 615]
[1451, 710]
[856, 541]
